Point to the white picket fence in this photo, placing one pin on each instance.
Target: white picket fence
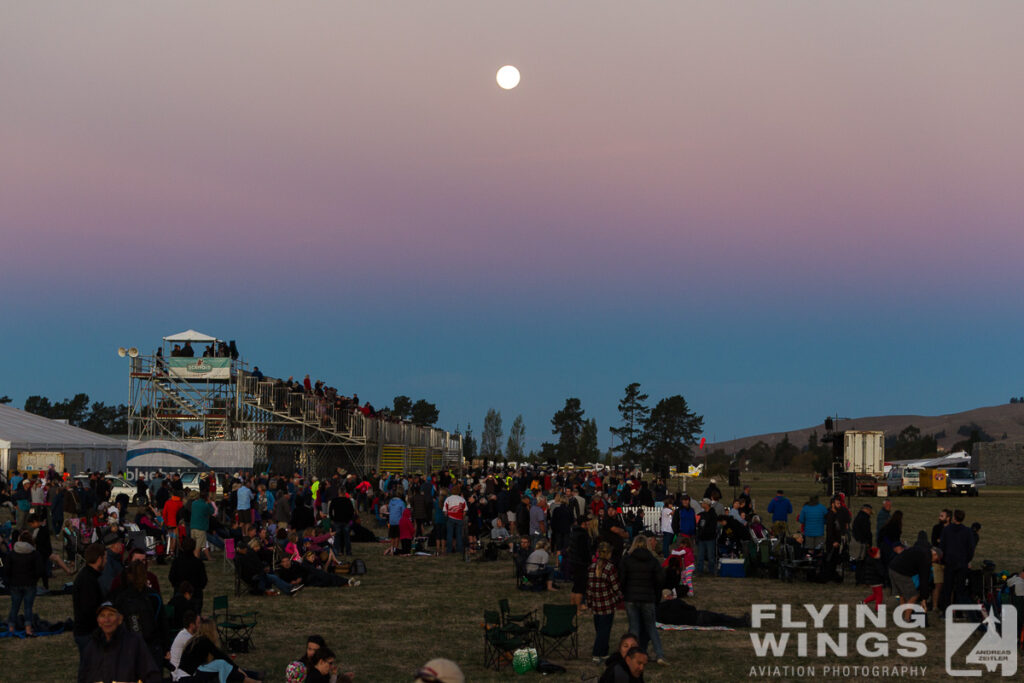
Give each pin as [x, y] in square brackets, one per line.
[652, 516]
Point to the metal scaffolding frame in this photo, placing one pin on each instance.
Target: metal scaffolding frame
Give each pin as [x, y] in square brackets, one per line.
[289, 430]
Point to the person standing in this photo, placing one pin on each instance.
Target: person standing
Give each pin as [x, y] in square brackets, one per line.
[684, 519]
[538, 519]
[199, 522]
[455, 513]
[938, 568]
[23, 500]
[187, 567]
[342, 512]
[667, 532]
[861, 533]
[812, 517]
[580, 553]
[707, 538]
[642, 577]
[23, 568]
[780, 509]
[87, 594]
[883, 518]
[957, 544]
[603, 593]
[747, 502]
[244, 507]
[170, 513]
[396, 507]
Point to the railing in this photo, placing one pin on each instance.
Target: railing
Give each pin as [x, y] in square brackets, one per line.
[316, 411]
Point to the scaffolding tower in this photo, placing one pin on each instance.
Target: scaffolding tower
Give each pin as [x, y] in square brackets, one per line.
[219, 399]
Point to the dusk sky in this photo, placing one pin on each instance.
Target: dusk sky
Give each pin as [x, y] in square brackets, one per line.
[779, 210]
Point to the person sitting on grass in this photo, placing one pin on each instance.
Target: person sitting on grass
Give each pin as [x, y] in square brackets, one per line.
[203, 657]
[306, 574]
[537, 565]
[673, 610]
[629, 670]
[322, 668]
[189, 627]
[253, 574]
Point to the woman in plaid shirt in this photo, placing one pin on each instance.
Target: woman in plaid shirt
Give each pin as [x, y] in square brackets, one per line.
[603, 593]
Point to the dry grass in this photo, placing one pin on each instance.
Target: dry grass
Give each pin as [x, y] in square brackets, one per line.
[409, 610]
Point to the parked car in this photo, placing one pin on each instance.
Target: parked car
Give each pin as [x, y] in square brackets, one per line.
[190, 480]
[118, 485]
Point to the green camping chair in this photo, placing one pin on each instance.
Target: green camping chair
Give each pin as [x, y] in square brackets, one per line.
[524, 625]
[560, 631]
[499, 643]
[235, 629]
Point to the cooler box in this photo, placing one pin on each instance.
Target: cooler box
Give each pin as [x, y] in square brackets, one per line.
[732, 567]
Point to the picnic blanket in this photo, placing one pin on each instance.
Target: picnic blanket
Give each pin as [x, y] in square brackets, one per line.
[42, 628]
[681, 627]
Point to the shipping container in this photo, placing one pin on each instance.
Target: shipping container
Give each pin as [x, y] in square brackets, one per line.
[864, 452]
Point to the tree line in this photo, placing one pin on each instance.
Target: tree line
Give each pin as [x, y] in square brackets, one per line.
[653, 437]
[77, 411]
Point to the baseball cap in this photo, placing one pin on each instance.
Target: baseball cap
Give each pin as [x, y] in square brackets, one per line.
[106, 605]
[440, 670]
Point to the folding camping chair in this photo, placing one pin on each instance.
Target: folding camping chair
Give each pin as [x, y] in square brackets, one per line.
[235, 629]
[499, 643]
[560, 631]
[524, 625]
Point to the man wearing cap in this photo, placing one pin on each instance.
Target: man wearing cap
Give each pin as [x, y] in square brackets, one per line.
[114, 564]
[113, 653]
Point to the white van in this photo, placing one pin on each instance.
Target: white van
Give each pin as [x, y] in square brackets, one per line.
[904, 480]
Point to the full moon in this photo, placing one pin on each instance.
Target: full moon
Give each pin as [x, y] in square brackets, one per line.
[508, 77]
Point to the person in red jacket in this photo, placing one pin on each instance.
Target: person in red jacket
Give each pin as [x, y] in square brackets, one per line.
[170, 512]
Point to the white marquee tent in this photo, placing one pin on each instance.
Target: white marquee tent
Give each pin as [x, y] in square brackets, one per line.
[190, 336]
[27, 440]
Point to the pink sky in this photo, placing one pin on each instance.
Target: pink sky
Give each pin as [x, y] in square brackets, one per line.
[729, 156]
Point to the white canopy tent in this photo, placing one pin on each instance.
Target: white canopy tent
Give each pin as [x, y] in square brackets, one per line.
[190, 336]
[25, 437]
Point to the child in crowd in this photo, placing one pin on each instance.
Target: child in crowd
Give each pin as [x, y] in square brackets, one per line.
[872, 575]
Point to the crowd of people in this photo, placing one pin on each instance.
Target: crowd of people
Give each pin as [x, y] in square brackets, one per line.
[289, 532]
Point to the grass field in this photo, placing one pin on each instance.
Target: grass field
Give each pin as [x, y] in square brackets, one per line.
[409, 610]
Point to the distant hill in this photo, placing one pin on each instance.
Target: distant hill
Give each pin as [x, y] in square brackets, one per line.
[995, 421]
